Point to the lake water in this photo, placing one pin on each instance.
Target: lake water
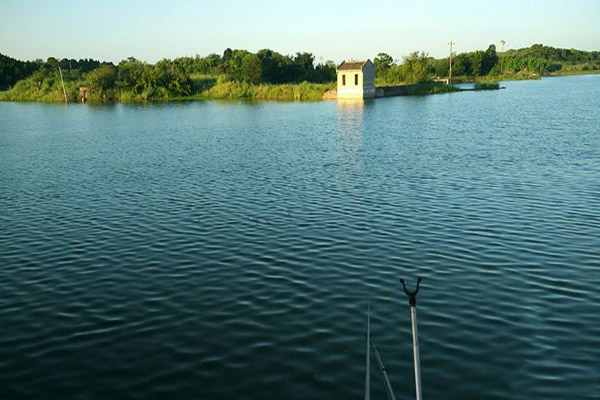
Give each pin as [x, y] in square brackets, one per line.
[228, 251]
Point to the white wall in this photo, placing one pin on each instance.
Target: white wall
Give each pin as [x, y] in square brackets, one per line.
[366, 83]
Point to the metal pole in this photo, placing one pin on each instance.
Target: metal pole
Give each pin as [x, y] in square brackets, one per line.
[416, 355]
[412, 301]
[368, 371]
[450, 72]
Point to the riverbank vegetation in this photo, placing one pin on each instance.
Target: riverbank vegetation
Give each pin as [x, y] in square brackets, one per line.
[487, 66]
[269, 75]
[237, 74]
[429, 87]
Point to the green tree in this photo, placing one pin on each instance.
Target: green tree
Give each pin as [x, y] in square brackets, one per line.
[304, 67]
[395, 75]
[383, 63]
[234, 66]
[476, 59]
[44, 76]
[276, 68]
[12, 70]
[490, 60]
[416, 67]
[251, 68]
[441, 67]
[130, 75]
[102, 78]
[538, 65]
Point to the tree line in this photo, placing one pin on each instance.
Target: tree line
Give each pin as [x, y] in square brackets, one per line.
[176, 77]
[12, 70]
[132, 79]
[264, 66]
[536, 60]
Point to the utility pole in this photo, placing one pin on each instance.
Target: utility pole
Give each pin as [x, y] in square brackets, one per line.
[450, 70]
[502, 43]
[321, 59]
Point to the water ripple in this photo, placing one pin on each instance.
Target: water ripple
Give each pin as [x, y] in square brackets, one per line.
[211, 250]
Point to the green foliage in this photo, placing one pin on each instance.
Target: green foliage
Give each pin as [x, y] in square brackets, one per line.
[461, 65]
[172, 80]
[383, 62]
[490, 59]
[540, 60]
[102, 78]
[555, 55]
[326, 72]
[482, 62]
[201, 82]
[133, 80]
[12, 70]
[130, 75]
[234, 90]
[416, 68]
[251, 69]
[274, 67]
[269, 74]
[45, 85]
[527, 63]
[441, 67]
[487, 86]
[428, 88]
[476, 62]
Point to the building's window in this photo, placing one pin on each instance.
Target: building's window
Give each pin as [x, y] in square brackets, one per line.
[356, 79]
[343, 79]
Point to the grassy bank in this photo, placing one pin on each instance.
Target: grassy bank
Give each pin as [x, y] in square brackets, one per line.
[428, 88]
[48, 91]
[283, 92]
[486, 86]
[203, 87]
[575, 72]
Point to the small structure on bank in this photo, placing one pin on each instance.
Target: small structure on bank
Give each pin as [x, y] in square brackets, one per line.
[356, 80]
[84, 94]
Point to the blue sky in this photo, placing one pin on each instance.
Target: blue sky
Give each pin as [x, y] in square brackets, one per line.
[335, 30]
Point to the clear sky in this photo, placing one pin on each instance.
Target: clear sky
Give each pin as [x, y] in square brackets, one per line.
[149, 30]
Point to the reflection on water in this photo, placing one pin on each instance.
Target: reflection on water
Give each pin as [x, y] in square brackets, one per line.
[349, 143]
[351, 105]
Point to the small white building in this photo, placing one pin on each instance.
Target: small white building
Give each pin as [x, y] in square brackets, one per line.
[356, 80]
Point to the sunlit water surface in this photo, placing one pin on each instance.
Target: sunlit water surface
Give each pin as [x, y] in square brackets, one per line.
[228, 251]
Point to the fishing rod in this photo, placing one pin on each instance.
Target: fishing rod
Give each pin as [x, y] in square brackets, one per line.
[412, 301]
[382, 370]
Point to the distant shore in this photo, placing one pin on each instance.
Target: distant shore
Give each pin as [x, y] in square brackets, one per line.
[268, 75]
[309, 92]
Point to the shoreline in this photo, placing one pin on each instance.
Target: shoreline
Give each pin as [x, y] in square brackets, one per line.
[292, 93]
